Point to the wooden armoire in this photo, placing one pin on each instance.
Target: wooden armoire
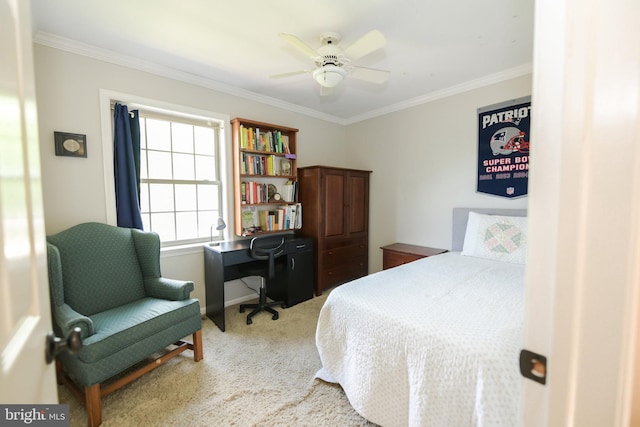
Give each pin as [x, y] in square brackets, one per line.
[335, 213]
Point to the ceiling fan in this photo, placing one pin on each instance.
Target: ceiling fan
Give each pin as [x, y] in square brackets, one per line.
[333, 63]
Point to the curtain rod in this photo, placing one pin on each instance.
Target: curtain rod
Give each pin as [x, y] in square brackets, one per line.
[113, 106]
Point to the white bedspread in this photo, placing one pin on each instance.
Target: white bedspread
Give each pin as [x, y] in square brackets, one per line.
[434, 342]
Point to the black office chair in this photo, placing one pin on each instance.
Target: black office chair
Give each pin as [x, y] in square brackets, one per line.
[265, 248]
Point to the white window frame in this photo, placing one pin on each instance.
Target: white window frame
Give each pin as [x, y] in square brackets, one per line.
[165, 108]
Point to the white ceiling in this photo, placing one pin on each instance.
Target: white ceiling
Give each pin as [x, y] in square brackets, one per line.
[433, 48]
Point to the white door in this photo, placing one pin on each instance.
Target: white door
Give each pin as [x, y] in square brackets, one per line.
[583, 274]
[24, 297]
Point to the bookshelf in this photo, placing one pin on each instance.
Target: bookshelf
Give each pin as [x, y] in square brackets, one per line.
[265, 178]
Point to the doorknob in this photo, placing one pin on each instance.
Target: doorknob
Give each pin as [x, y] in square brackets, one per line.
[533, 366]
[54, 344]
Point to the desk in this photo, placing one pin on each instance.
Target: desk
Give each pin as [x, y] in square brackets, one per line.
[294, 281]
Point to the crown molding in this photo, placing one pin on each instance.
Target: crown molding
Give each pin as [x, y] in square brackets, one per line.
[481, 82]
[84, 49]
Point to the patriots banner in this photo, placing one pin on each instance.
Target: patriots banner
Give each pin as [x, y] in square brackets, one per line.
[503, 148]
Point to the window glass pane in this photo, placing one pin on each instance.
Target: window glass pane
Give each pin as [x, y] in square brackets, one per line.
[159, 165]
[208, 197]
[144, 197]
[182, 137]
[205, 168]
[207, 220]
[158, 134]
[161, 196]
[143, 164]
[146, 222]
[187, 225]
[204, 140]
[186, 197]
[143, 133]
[183, 167]
[164, 225]
[179, 164]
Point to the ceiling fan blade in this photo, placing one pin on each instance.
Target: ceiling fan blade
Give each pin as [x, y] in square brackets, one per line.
[299, 44]
[366, 44]
[369, 74]
[292, 73]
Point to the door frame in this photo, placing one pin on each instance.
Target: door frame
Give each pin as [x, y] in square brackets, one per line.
[584, 207]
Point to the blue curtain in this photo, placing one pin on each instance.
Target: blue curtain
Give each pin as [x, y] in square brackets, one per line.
[126, 146]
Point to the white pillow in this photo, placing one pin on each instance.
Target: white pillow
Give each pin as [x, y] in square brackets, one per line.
[497, 237]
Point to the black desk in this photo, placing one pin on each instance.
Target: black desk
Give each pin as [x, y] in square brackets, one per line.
[294, 281]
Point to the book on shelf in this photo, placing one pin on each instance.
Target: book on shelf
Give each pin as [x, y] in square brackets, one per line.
[297, 216]
[249, 225]
[288, 191]
[295, 212]
[288, 217]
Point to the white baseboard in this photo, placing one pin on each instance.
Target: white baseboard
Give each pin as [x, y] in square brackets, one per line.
[239, 300]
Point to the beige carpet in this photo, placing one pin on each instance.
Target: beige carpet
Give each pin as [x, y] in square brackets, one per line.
[251, 375]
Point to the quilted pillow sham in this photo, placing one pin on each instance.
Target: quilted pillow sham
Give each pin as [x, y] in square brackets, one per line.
[496, 237]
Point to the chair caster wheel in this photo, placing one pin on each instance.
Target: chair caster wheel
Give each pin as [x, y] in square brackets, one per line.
[275, 316]
[249, 321]
[284, 306]
[241, 309]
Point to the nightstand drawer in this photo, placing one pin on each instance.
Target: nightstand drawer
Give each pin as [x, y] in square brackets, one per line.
[394, 259]
[401, 253]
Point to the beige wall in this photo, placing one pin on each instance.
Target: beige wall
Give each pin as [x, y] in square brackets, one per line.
[423, 159]
[68, 88]
[424, 164]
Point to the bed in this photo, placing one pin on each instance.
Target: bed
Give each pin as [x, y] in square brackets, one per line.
[435, 342]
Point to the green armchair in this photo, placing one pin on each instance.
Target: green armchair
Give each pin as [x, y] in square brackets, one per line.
[106, 281]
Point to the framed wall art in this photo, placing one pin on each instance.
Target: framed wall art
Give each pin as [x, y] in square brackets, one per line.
[70, 144]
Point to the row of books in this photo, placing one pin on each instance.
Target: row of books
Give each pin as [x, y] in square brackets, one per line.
[284, 218]
[252, 192]
[270, 165]
[254, 139]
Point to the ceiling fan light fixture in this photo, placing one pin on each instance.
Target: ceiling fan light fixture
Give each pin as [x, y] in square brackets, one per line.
[329, 75]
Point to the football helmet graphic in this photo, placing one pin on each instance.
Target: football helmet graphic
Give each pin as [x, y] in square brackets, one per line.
[509, 140]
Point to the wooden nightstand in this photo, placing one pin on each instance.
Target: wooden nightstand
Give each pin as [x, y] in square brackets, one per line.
[401, 253]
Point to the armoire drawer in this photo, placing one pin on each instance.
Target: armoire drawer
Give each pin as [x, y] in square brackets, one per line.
[341, 243]
[343, 273]
[339, 256]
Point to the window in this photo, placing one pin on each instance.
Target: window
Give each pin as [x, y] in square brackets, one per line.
[180, 177]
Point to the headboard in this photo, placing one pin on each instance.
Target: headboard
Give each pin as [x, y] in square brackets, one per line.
[461, 215]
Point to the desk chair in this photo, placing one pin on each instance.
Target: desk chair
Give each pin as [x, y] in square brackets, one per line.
[266, 248]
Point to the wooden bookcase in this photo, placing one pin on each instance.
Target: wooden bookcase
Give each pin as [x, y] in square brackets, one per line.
[264, 167]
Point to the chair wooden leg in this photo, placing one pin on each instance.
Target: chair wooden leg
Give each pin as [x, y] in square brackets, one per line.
[197, 346]
[59, 372]
[93, 405]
